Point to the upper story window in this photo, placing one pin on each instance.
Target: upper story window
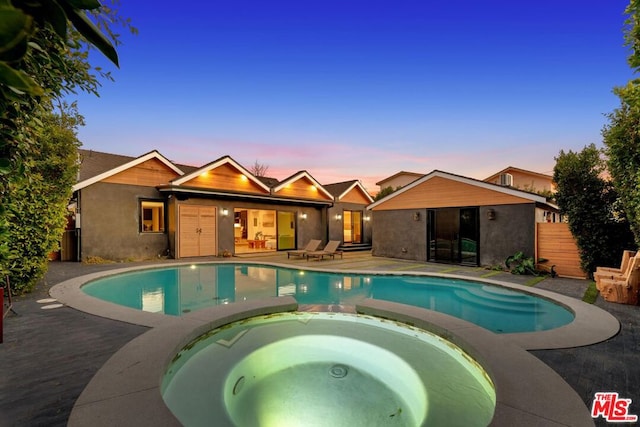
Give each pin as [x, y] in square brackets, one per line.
[151, 216]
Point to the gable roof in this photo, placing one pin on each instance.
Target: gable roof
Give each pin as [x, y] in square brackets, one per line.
[226, 160]
[298, 176]
[413, 175]
[341, 189]
[510, 169]
[533, 197]
[96, 166]
[270, 182]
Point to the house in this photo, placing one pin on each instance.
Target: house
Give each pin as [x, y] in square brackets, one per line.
[148, 206]
[398, 180]
[523, 180]
[527, 180]
[443, 217]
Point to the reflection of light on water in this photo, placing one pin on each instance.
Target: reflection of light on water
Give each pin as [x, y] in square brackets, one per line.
[304, 289]
[367, 280]
[338, 285]
[192, 266]
[289, 289]
[153, 301]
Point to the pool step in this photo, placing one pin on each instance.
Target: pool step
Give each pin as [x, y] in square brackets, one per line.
[498, 304]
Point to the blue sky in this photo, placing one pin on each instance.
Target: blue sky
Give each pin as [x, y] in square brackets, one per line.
[362, 89]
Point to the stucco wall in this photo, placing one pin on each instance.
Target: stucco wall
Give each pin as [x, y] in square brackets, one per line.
[336, 231]
[398, 234]
[110, 223]
[512, 230]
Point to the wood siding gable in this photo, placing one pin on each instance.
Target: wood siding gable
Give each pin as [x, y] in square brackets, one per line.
[442, 192]
[302, 188]
[225, 177]
[356, 195]
[150, 173]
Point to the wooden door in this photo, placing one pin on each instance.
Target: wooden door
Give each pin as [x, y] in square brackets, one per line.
[197, 235]
[208, 241]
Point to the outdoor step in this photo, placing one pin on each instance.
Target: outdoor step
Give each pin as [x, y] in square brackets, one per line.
[353, 247]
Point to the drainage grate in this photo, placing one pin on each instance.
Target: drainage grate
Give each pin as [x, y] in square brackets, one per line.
[338, 371]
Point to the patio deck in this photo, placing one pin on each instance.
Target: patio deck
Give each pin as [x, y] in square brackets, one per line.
[49, 356]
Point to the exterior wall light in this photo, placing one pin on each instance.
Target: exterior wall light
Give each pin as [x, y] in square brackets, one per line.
[303, 216]
[416, 216]
[225, 212]
[338, 217]
[491, 214]
[367, 218]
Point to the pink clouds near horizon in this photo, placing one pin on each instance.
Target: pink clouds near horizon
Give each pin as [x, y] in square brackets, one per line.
[331, 162]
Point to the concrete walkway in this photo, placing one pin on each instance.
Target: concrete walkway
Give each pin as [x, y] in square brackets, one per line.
[49, 355]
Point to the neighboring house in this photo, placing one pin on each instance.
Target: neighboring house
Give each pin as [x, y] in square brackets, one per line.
[443, 217]
[398, 180]
[533, 182]
[523, 179]
[145, 207]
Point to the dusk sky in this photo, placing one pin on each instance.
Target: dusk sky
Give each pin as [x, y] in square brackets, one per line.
[362, 89]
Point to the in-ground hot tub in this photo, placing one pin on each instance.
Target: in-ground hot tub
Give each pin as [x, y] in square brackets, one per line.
[326, 369]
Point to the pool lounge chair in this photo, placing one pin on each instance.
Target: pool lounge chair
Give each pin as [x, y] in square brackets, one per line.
[330, 250]
[311, 246]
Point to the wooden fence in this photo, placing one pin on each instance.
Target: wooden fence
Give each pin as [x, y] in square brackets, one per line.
[555, 243]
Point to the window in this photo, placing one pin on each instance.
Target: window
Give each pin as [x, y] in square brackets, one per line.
[151, 216]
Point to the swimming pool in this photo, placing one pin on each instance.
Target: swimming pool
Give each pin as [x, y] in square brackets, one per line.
[181, 289]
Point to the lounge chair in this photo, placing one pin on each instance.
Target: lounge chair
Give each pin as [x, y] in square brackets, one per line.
[623, 289]
[613, 272]
[311, 246]
[330, 250]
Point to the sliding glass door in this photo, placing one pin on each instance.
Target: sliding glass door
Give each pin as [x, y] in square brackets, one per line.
[257, 230]
[352, 227]
[453, 235]
[286, 230]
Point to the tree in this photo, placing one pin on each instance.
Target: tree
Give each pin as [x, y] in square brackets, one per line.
[44, 56]
[591, 205]
[37, 202]
[259, 169]
[622, 147]
[385, 192]
[621, 136]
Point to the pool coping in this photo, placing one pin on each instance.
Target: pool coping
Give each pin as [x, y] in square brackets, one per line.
[127, 389]
[591, 324]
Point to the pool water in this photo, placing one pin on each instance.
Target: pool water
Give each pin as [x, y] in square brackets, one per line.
[182, 289]
[326, 369]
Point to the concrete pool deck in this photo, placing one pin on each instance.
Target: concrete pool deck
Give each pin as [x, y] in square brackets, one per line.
[52, 354]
